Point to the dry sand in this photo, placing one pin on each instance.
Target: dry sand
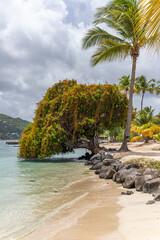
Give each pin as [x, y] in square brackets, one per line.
[139, 221]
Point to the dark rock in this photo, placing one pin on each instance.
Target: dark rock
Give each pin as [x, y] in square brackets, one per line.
[153, 172]
[109, 156]
[104, 149]
[87, 163]
[121, 175]
[112, 150]
[150, 202]
[102, 175]
[103, 171]
[139, 182]
[108, 162]
[157, 197]
[131, 165]
[82, 157]
[32, 180]
[110, 173]
[130, 179]
[104, 168]
[96, 166]
[97, 171]
[129, 182]
[127, 193]
[88, 156]
[115, 176]
[97, 156]
[118, 165]
[95, 162]
[151, 186]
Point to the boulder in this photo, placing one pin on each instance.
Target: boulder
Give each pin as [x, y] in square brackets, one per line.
[110, 173]
[108, 162]
[153, 172]
[94, 162]
[157, 197]
[130, 179]
[139, 182]
[96, 166]
[104, 168]
[99, 156]
[120, 176]
[117, 165]
[131, 165]
[151, 186]
[97, 171]
[103, 171]
[88, 163]
[150, 202]
[109, 156]
[127, 193]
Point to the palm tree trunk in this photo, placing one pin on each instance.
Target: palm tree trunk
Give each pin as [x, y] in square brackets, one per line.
[124, 146]
[142, 101]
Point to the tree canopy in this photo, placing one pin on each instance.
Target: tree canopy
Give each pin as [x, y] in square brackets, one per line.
[124, 17]
[70, 116]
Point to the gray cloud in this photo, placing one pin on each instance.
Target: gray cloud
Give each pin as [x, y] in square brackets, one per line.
[40, 44]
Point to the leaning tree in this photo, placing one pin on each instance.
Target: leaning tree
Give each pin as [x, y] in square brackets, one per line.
[71, 116]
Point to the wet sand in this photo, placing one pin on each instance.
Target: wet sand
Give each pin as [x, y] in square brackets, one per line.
[98, 211]
[100, 222]
[91, 215]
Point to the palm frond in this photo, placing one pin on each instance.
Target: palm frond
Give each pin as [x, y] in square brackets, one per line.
[113, 52]
[95, 36]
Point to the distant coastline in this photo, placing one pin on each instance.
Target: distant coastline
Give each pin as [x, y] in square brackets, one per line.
[11, 128]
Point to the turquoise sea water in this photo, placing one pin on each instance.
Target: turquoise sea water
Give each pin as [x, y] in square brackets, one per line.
[31, 190]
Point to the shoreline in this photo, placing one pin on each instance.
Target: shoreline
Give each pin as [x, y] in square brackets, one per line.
[92, 216]
[102, 213]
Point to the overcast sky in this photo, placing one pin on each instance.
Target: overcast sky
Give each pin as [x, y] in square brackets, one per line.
[40, 44]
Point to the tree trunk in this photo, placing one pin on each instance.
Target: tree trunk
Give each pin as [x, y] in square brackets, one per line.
[127, 93]
[124, 146]
[142, 100]
[90, 144]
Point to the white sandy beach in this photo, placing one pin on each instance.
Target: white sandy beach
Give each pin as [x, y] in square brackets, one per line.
[102, 213]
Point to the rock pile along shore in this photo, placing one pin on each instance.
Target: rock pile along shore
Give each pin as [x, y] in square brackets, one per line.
[130, 175]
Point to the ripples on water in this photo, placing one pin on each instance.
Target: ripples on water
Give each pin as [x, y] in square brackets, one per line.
[30, 190]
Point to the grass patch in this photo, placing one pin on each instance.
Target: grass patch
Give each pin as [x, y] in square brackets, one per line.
[86, 172]
[146, 163]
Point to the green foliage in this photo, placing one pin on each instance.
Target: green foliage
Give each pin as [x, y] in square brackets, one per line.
[156, 119]
[122, 17]
[146, 163]
[157, 137]
[11, 128]
[117, 133]
[142, 85]
[124, 83]
[144, 116]
[69, 112]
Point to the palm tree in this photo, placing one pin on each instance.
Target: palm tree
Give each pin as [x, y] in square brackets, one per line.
[144, 116]
[142, 85]
[123, 17]
[158, 88]
[124, 83]
[150, 12]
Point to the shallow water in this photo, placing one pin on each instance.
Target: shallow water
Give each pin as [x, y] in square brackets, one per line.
[30, 191]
